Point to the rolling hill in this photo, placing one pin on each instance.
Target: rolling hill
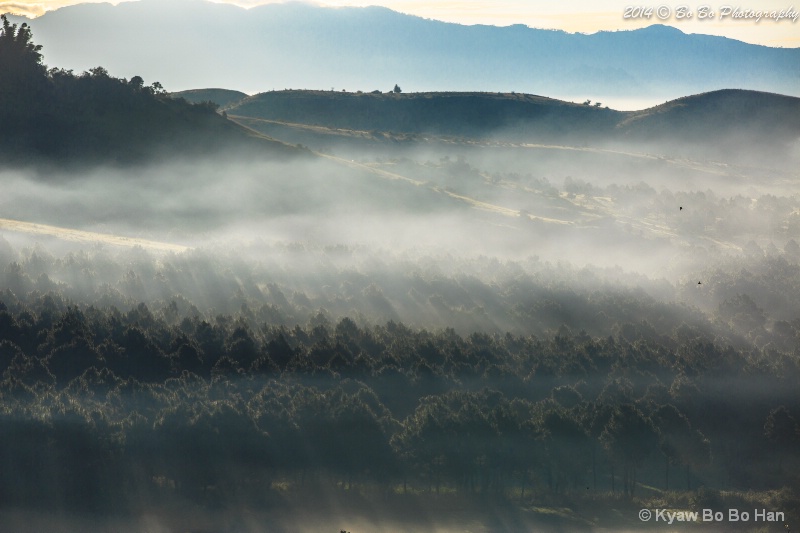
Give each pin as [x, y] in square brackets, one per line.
[757, 115]
[446, 113]
[733, 123]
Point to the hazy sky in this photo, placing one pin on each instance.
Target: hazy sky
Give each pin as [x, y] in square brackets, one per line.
[586, 16]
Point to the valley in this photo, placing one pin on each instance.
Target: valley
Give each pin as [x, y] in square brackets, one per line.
[303, 310]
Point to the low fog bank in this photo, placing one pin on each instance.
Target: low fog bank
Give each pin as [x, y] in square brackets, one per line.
[748, 297]
[590, 207]
[458, 334]
[298, 387]
[501, 238]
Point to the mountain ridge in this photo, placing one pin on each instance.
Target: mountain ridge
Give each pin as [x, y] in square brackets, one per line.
[302, 46]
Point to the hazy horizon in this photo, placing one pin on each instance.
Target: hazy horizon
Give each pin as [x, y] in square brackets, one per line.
[574, 17]
[279, 46]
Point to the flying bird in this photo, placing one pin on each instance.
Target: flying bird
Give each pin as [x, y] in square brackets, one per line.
[681, 208]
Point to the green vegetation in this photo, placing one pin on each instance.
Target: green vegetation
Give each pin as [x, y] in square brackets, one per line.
[56, 116]
[322, 360]
[728, 124]
[124, 403]
[463, 114]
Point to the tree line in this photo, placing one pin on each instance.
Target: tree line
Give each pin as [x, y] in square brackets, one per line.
[113, 405]
[56, 115]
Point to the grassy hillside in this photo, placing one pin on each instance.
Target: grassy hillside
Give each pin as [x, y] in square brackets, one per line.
[448, 113]
[221, 97]
[756, 114]
[729, 123]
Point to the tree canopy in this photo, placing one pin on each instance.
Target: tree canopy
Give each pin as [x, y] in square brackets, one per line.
[17, 51]
[57, 115]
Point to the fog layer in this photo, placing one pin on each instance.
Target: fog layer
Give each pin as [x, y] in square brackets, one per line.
[448, 328]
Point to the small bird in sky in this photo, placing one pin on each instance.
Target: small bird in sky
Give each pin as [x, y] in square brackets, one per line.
[681, 208]
[699, 283]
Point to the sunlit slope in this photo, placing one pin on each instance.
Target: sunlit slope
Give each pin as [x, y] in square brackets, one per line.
[605, 160]
[80, 236]
[523, 209]
[601, 194]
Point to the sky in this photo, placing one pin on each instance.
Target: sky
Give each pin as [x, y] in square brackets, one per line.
[734, 19]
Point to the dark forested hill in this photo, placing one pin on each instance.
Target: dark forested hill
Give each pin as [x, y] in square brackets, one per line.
[58, 116]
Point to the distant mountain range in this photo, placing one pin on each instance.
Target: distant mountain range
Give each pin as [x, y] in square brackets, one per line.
[190, 44]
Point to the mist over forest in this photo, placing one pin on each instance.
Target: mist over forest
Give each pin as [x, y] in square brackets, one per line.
[214, 319]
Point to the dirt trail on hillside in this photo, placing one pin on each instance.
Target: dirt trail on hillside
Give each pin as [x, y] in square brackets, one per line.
[75, 235]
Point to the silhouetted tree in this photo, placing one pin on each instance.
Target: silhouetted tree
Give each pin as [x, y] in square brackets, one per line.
[22, 74]
[781, 429]
[674, 436]
[568, 450]
[629, 437]
[137, 83]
